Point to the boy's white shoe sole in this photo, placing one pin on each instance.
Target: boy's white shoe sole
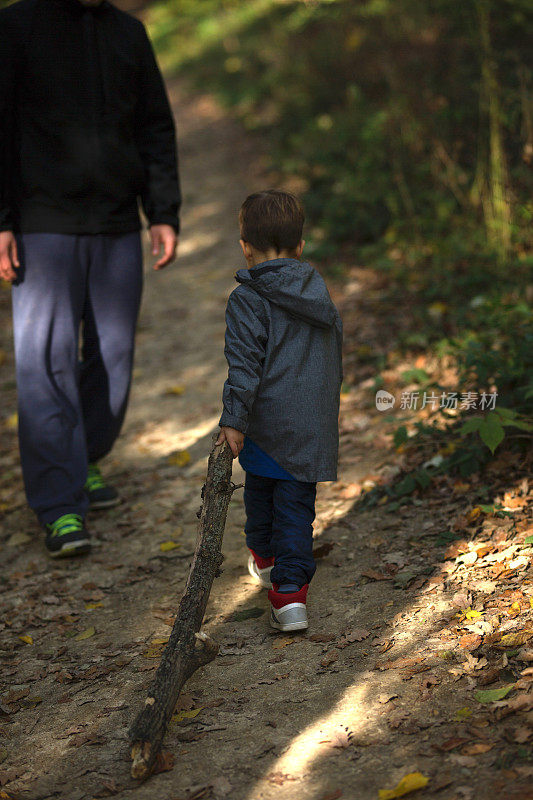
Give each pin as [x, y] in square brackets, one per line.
[262, 576]
[292, 617]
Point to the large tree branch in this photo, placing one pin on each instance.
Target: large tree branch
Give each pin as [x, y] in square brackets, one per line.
[187, 649]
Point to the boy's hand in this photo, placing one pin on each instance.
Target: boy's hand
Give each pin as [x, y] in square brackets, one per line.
[234, 438]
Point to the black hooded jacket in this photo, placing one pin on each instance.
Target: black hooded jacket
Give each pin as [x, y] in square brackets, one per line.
[85, 124]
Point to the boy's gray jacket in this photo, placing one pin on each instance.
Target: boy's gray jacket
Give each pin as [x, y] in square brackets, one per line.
[284, 351]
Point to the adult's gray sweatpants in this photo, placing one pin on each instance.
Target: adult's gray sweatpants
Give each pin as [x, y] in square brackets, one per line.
[71, 409]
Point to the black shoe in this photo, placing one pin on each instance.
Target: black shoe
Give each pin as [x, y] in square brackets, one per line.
[100, 493]
[67, 536]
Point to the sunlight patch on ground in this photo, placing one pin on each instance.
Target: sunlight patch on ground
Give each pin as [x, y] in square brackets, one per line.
[239, 591]
[163, 438]
[320, 739]
[200, 241]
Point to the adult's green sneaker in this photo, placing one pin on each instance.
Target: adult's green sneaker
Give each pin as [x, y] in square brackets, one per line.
[67, 536]
[100, 493]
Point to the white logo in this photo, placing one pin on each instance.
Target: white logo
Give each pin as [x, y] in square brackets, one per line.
[384, 400]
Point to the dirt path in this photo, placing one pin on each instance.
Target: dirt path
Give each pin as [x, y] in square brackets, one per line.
[302, 718]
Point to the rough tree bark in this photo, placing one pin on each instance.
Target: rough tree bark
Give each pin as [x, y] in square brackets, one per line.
[187, 649]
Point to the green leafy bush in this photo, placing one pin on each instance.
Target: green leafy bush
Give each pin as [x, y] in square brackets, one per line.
[408, 127]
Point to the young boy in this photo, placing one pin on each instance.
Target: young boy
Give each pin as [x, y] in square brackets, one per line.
[281, 398]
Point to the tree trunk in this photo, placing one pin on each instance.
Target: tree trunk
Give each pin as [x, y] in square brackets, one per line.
[187, 649]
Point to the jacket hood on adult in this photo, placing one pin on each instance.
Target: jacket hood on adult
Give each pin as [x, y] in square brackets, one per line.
[295, 286]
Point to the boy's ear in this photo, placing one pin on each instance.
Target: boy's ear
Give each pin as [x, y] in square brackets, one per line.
[246, 249]
[300, 248]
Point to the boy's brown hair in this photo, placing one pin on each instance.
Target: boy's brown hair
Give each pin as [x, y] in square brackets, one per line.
[272, 218]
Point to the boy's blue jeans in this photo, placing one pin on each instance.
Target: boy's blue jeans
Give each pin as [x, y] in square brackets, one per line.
[279, 523]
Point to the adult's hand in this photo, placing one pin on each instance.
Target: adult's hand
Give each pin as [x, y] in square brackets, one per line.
[164, 239]
[9, 259]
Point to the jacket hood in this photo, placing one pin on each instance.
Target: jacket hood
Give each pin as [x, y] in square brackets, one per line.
[295, 286]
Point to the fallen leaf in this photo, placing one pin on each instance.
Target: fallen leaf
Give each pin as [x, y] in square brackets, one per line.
[469, 613]
[332, 795]
[397, 719]
[491, 695]
[279, 778]
[470, 641]
[155, 649]
[477, 748]
[109, 788]
[179, 716]
[356, 635]
[404, 578]
[279, 643]
[170, 545]
[323, 549]
[26, 638]
[322, 637]
[15, 695]
[31, 702]
[409, 783]
[374, 575]
[152, 652]
[86, 738]
[92, 606]
[385, 698]
[86, 634]
[175, 390]
[451, 744]
[488, 676]
[12, 422]
[468, 559]
[179, 459]
[515, 639]
[461, 599]
[521, 702]
[403, 662]
[329, 659]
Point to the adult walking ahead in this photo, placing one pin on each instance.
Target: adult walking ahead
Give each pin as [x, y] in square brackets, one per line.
[85, 131]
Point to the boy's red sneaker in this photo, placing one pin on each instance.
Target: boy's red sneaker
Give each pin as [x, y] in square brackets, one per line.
[287, 609]
[259, 568]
